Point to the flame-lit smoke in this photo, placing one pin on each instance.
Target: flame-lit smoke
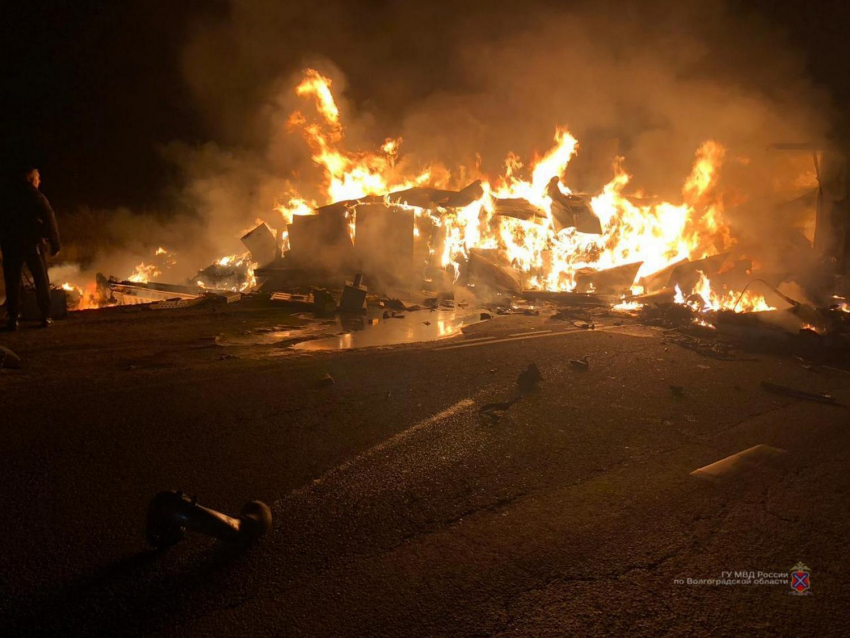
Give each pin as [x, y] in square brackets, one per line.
[482, 84]
[656, 233]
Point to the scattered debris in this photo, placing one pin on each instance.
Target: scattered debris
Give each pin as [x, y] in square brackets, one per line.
[323, 301]
[353, 296]
[583, 314]
[292, 300]
[529, 311]
[494, 411]
[670, 315]
[398, 304]
[580, 364]
[798, 394]
[529, 378]
[706, 347]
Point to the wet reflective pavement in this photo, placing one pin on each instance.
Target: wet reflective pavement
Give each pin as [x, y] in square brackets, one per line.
[368, 330]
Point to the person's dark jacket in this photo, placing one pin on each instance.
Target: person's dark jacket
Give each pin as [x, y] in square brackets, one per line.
[27, 219]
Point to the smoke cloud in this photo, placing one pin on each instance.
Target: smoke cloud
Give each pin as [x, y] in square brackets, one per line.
[466, 83]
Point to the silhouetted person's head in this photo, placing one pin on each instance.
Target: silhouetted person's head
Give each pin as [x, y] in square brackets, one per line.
[32, 176]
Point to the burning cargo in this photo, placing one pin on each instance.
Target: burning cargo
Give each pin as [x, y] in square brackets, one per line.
[518, 232]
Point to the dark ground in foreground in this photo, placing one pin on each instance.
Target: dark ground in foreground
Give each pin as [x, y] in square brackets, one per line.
[399, 510]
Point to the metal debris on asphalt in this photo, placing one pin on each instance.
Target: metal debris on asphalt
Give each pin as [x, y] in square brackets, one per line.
[529, 378]
[756, 456]
[494, 411]
[580, 364]
[171, 513]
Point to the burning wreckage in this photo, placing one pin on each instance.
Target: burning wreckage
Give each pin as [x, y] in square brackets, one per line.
[522, 238]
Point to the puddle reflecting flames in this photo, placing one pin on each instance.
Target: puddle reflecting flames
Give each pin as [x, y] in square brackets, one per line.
[413, 327]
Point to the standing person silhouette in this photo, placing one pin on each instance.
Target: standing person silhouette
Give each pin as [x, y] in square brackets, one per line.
[27, 228]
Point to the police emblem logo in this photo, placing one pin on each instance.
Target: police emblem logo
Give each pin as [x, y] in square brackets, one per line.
[801, 580]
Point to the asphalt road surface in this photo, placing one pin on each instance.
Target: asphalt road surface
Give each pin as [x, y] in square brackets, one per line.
[401, 510]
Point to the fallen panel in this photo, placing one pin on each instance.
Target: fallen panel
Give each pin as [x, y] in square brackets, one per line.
[663, 278]
[617, 280]
[262, 245]
[129, 293]
[519, 208]
[484, 269]
[353, 296]
[659, 297]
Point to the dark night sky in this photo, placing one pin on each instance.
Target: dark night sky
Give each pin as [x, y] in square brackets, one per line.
[91, 89]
